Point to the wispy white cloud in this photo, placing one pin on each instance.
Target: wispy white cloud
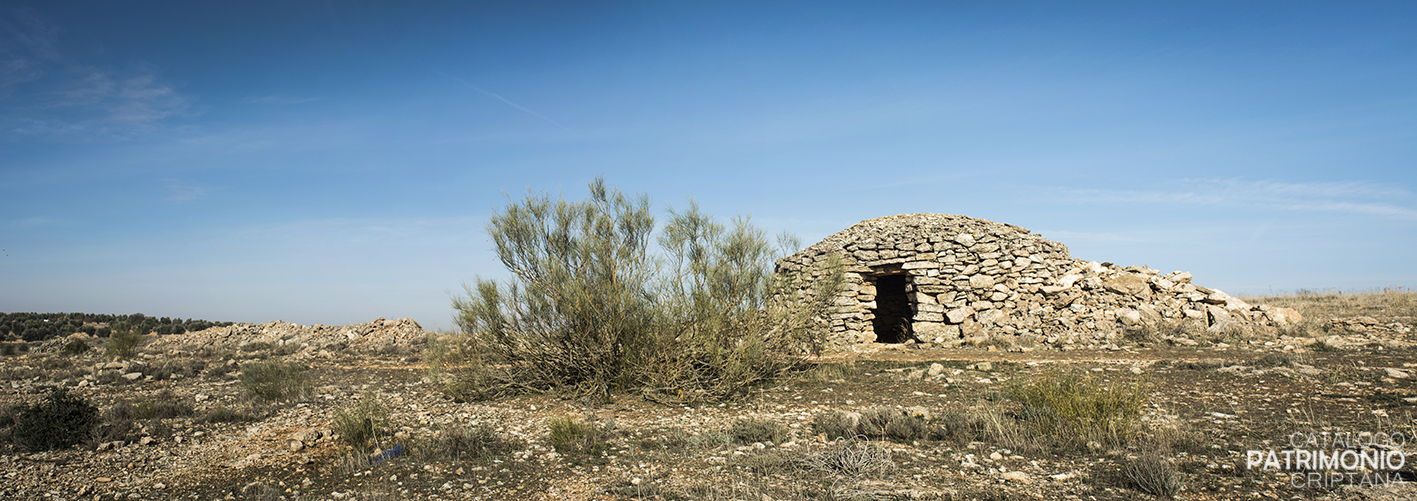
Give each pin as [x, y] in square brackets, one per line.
[31, 223]
[179, 191]
[25, 28]
[26, 44]
[1334, 197]
[503, 99]
[49, 95]
[280, 100]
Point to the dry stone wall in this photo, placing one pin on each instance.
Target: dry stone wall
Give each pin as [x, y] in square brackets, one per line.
[948, 279]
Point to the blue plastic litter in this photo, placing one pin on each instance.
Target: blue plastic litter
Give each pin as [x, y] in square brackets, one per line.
[393, 452]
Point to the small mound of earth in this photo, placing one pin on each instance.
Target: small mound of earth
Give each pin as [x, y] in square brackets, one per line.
[299, 341]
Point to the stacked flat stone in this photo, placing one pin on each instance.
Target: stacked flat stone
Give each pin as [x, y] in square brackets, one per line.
[972, 280]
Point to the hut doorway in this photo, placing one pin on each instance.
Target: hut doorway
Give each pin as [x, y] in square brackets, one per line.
[893, 309]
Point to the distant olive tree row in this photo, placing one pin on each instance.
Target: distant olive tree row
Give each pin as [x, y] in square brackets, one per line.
[30, 326]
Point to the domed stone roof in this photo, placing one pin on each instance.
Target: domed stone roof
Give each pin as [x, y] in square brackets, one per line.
[950, 279]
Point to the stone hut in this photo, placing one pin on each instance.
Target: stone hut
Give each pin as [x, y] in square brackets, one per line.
[948, 279]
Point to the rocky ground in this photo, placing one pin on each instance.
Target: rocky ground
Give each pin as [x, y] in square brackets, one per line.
[210, 438]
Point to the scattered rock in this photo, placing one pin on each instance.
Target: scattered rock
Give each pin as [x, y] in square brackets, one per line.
[1016, 476]
[307, 436]
[1129, 318]
[318, 341]
[1128, 283]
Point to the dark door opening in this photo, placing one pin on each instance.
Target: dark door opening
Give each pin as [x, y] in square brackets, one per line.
[893, 310]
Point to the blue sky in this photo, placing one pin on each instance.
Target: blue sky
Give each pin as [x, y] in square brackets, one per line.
[334, 162]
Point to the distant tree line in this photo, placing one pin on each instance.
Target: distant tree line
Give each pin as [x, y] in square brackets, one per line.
[32, 326]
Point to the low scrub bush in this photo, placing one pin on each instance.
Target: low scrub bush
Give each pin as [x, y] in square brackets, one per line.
[164, 405]
[286, 349]
[123, 344]
[122, 410]
[987, 424]
[1075, 409]
[1178, 438]
[747, 431]
[20, 372]
[185, 367]
[115, 423]
[261, 491]
[825, 373]
[7, 415]
[218, 370]
[274, 379]
[570, 434]
[59, 422]
[478, 441]
[215, 353]
[255, 347]
[763, 463]
[75, 347]
[1275, 360]
[835, 425]
[876, 422]
[903, 427]
[593, 306]
[1154, 475]
[673, 439]
[55, 364]
[1323, 347]
[363, 424]
[449, 360]
[1158, 332]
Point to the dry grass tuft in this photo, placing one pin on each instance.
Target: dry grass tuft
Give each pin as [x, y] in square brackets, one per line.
[834, 425]
[1319, 305]
[1076, 409]
[362, 425]
[572, 435]
[747, 431]
[851, 458]
[988, 424]
[275, 379]
[475, 441]
[1155, 475]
